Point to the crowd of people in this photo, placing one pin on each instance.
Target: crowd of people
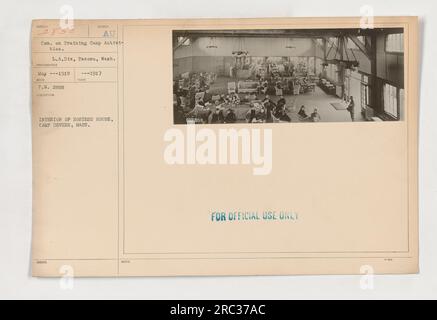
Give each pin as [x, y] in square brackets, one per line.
[193, 102]
[218, 111]
[188, 85]
[268, 111]
[222, 110]
[312, 117]
[288, 79]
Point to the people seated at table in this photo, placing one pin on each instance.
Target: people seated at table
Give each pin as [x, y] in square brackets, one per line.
[234, 99]
[302, 113]
[217, 105]
[207, 97]
[222, 98]
[261, 116]
[217, 116]
[221, 115]
[197, 108]
[278, 88]
[251, 114]
[267, 100]
[269, 114]
[231, 117]
[315, 116]
[194, 99]
[281, 102]
[179, 116]
[282, 115]
[206, 112]
[186, 86]
[264, 87]
[200, 112]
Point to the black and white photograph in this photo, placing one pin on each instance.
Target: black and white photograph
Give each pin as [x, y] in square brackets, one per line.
[297, 162]
[290, 75]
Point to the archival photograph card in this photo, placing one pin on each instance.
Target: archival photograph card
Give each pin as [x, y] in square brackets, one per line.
[283, 146]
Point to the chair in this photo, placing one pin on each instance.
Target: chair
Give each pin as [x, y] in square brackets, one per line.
[199, 96]
[232, 87]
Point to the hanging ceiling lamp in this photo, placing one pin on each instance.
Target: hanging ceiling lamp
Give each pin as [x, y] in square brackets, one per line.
[289, 44]
[212, 43]
[342, 57]
[240, 50]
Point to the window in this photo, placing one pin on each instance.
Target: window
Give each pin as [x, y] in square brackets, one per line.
[401, 103]
[365, 96]
[394, 43]
[391, 100]
[365, 92]
[184, 41]
[336, 72]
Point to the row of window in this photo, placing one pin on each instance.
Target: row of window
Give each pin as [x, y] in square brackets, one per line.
[184, 41]
[394, 43]
[393, 97]
[393, 100]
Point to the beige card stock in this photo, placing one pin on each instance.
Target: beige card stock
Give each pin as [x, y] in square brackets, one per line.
[122, 188]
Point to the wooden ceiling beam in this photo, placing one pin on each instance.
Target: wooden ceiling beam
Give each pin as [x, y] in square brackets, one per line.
[361, 46]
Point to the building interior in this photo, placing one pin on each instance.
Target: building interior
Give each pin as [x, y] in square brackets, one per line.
[293, 75]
